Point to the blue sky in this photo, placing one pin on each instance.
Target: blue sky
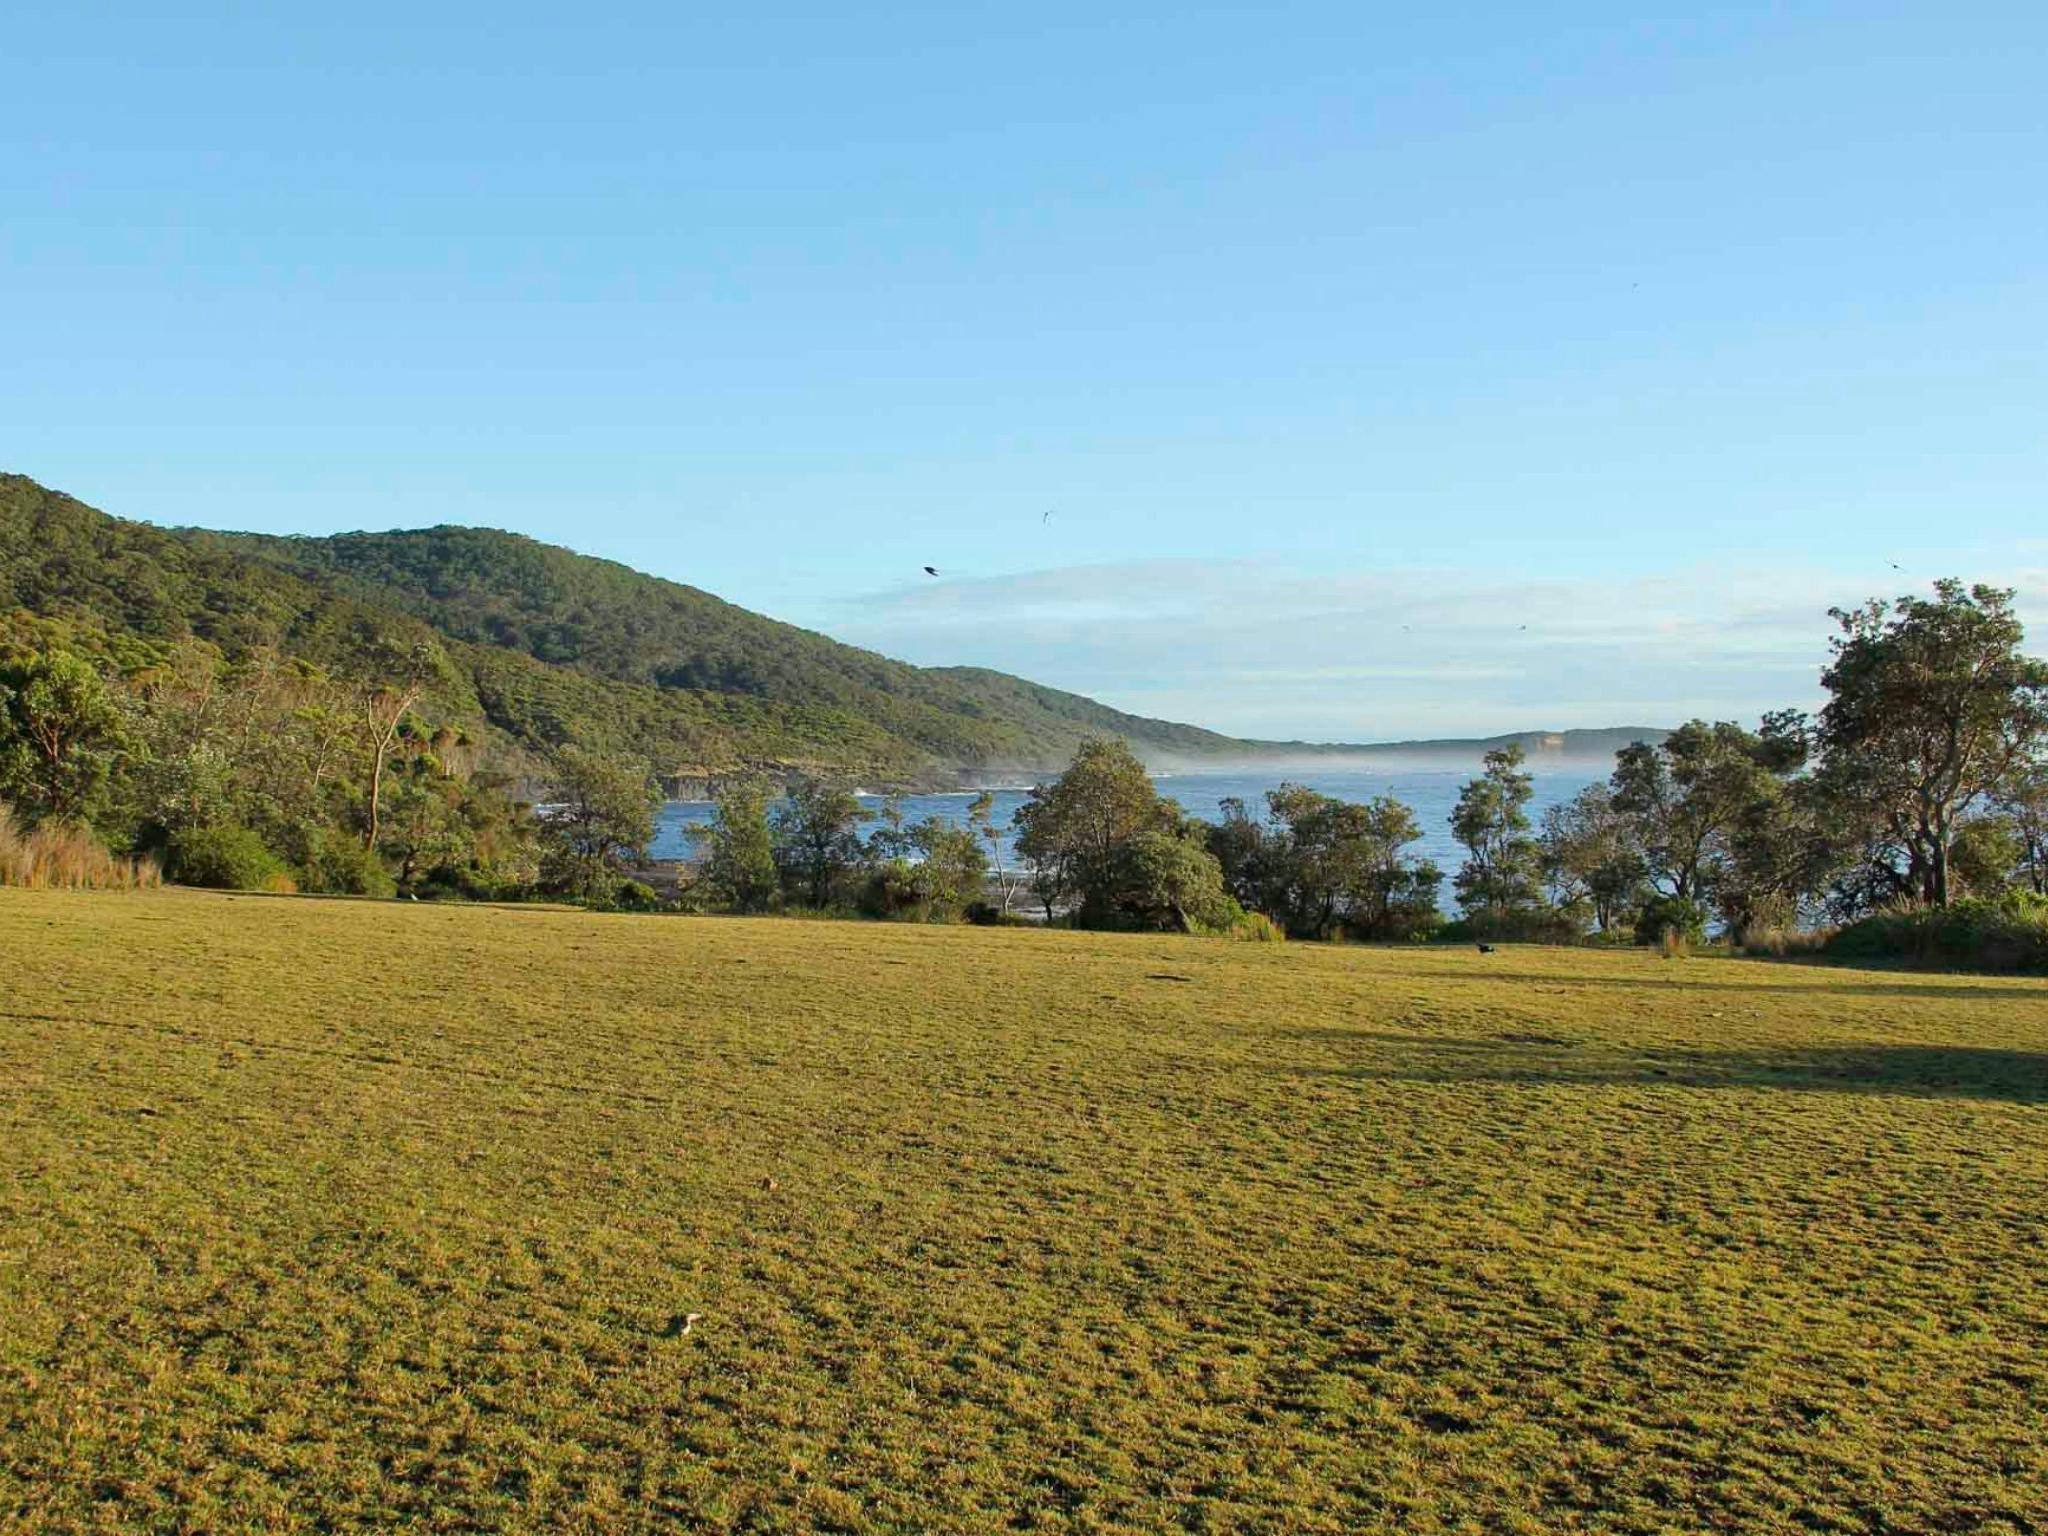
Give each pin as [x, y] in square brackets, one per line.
[1653, 333]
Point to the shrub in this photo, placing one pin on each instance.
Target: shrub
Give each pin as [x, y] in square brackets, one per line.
[1518, 925]
[57, 856]
[610, 893]
[448, 883]
[1680, 920]
[1256, 928]
[890, 890]
[1551, 925]
[1417, 926]
[986, 914]
[635, 896]
[1619, 936]
[2008, 932]
[224, 857]
[337, 865]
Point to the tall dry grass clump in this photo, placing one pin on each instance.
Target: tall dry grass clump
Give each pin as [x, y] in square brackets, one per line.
[1780, 941]
[52, 857]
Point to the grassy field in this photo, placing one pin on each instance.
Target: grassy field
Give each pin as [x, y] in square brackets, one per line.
[344, 1216]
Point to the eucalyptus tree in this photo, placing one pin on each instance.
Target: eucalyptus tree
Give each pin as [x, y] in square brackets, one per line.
[599, 821]
[2026, 802]
[1498, 885]
[815, 832]
[1933, 713]
[389, 677]
[1591, 860]
[981, 820]
[1686, 795]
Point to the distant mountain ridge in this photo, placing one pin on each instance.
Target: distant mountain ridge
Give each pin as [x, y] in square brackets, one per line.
[546, 646]
[1579, 746]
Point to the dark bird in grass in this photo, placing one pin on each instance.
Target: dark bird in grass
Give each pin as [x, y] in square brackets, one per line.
[1486, 949]
[931, 570]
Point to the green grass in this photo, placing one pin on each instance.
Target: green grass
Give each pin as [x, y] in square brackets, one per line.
[345, 1216]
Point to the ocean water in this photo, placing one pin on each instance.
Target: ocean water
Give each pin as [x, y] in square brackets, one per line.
[1430, 793]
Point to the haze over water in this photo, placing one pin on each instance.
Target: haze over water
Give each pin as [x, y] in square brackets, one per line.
[1429, 792]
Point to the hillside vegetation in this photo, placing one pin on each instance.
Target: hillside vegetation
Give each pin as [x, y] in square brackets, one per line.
[346, 1217]
[547, 647]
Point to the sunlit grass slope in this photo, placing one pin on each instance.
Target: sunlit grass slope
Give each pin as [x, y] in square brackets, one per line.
[343, 1216]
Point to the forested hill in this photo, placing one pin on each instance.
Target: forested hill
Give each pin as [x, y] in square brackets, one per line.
[606, 620]
[544, 646]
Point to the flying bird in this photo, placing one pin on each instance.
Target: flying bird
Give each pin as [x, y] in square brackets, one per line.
[1045, 519]
[931, 570]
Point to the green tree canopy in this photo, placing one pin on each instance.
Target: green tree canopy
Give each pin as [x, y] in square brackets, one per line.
[948, 868]
[2025, 800]
[1070, 830]
[61, 730]
[1685, 796]
[1321, 865]
[739, 869]
[1101, 839]
[599, 821]
[1498, 883]
[815, 828]
[1591, 858]
[1932, 711]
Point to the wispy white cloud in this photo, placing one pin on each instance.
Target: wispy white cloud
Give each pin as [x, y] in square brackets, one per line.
[1262, 649]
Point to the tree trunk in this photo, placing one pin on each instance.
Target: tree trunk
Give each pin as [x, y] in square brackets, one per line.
[376, 794]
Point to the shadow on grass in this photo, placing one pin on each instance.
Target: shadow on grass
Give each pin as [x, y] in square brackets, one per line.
[1690, 979]
[1926, 1071]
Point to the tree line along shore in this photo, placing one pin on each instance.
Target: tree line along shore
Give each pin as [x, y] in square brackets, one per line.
[1908, 817]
